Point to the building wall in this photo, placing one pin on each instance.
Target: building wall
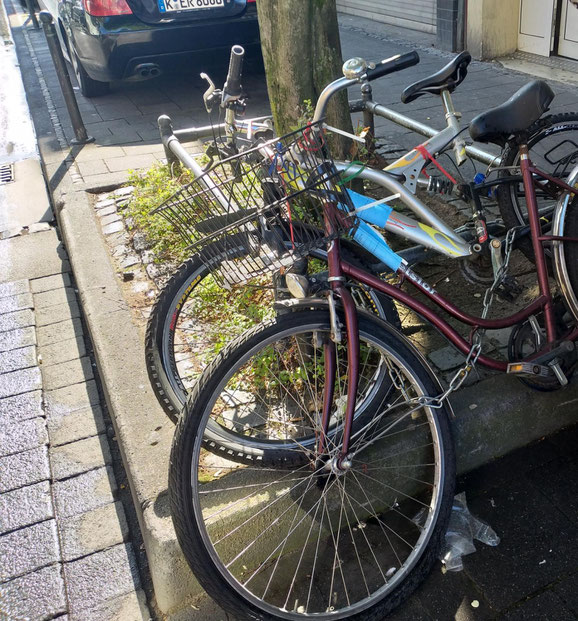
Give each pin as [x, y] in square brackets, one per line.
[492, 27]
[414, 14]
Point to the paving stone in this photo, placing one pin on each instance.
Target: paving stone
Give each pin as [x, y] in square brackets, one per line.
[53, 297]
[566, 590]
[133, 162]
[58, 332]
[35, 596]
[98, 152]
[25, 506]
[105, 204]
[539, 608]
[85, 492]
[28, 549]
[75, 397]
[55, 314]
[446, 358]
[107, 211]
[94, 167]
[67, 373]
[19, 319]
[16, 287]
[17, 382]
[93, 531]
[57, 281]
[81, 456]
[24, 468]
[16, 303]
[16, 359]
[64, 351]
[21, 407]
[101, 577]
[23, 337]
[110, 219]
[115, 227]
[38, 227]
[130, 607]
[18, 436]
[75, 425]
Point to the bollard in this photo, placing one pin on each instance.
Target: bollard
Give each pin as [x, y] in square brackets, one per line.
[64, 79]
[32, 14]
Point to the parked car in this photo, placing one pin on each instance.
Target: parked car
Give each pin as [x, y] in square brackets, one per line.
[109, 40]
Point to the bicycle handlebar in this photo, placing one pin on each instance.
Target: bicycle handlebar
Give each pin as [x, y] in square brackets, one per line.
[233, 88]
[390, 65]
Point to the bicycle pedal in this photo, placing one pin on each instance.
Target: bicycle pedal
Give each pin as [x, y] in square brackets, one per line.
[509, 289]
[529, 368]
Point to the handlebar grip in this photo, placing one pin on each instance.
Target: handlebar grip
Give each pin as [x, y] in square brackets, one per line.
[390, 65]
[233, 84]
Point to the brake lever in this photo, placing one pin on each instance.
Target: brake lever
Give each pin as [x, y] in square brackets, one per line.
[211, 95]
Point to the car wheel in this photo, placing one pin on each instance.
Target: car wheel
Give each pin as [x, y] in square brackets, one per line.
[88, 86]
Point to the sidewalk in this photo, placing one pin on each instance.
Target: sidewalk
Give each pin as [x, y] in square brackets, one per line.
[66, 549]
[532, 573]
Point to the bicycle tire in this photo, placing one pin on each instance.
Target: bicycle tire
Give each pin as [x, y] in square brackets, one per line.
[545, 146]
[165, 377]
[276, 568]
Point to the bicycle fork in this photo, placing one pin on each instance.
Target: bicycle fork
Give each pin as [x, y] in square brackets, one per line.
[336, 282]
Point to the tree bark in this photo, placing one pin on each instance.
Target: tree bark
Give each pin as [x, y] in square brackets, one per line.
[302, 54]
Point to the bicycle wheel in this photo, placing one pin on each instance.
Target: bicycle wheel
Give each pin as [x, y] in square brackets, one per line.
[553, 144]
[287, 538]
[177, 327]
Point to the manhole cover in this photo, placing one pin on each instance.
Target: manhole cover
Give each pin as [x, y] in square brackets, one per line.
[6, 173]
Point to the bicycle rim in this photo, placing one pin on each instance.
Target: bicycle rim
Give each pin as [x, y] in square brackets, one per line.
[305, 540]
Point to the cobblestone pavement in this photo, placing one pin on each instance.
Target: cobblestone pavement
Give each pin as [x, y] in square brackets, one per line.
[65, 545]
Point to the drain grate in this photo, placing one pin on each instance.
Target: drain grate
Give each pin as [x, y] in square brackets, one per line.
[6, 173]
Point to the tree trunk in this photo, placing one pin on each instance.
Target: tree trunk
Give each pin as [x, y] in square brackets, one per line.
[302, 54]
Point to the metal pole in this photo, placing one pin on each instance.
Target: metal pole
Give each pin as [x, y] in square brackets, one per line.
[62, 72]
[368, 118]
[32, 13]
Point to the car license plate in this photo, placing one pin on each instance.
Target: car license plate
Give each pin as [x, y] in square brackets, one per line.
[166, 6]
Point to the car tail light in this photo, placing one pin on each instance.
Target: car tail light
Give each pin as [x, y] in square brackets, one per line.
[106, 8]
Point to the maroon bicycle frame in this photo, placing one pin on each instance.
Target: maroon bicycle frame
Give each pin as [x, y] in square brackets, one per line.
[338, 269]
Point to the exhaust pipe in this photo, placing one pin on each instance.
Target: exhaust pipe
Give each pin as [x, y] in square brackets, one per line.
[145, 71]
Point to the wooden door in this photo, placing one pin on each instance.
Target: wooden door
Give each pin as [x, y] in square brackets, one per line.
[568, 30]
[535, 29]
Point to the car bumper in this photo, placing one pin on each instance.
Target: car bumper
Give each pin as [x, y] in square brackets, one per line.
[117, 48]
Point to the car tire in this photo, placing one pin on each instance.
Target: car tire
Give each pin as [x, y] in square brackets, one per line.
[88, 86]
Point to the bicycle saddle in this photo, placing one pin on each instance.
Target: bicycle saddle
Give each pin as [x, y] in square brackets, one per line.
[448, 78]
[523, 108]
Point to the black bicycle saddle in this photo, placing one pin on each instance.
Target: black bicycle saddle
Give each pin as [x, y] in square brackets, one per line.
[446, 79]
[514, 116]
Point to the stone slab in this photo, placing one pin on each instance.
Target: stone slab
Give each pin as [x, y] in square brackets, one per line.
[24, 468]
[54, 297]
[38, 595]
[14, 339]
[21, 407]
[67, 373]
[75, 425]
[18, 436]
[93, 531]
[38, 255]
[101, 577]
[28, 549]
[16, 359]
[25, 506]
[14, 321]
[17, 382]
[130, 607]
[47, 283]
[540, 608]
[63, 351]
[57, 313]
[69, 398]
[16, 303]
[84, 492]
[16, 287]
[57, 332]
[75, 458]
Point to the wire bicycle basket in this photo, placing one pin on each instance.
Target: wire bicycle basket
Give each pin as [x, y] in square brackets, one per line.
[264, 208]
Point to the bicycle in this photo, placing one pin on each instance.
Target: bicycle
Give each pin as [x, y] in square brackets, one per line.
[332, 499]
[169, 331]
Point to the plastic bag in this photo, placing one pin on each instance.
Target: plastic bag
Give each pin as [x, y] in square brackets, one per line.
[462, 530]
